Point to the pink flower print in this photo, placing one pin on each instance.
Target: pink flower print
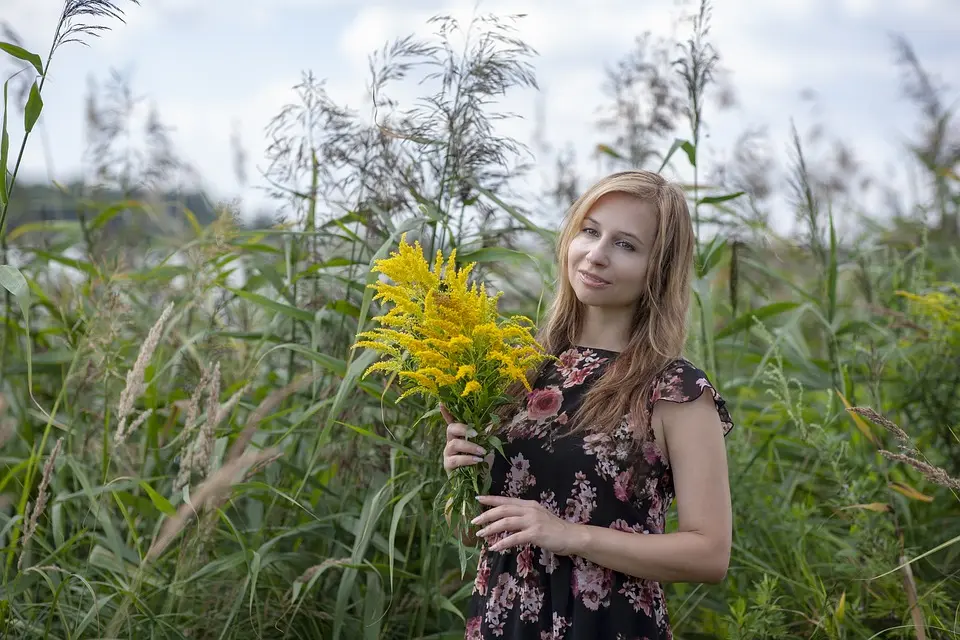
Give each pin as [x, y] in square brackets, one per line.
[596, 443]
[544, 403]
[656, 394]
[473, 629]
[652, 452]
[549, 561]
[500, 602]
[622, 485]
[562, 419]
[582, 501]
[577, 377]
[483, 575]
[622, 525]
[549, 502]
[525, 562]
[531, 601]
[591, 583]
[519, 478]
[568, 360]
[560, 626]
[641, 594]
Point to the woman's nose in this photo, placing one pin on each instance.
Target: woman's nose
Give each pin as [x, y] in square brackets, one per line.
[597, 255]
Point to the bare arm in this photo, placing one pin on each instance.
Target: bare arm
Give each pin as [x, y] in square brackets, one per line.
[700, 550]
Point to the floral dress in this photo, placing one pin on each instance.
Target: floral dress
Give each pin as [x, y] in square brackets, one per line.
[599, 480]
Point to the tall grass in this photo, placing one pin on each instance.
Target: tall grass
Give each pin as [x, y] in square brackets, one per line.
[190, 451]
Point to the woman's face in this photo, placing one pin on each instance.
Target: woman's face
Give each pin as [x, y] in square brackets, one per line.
[607, 258]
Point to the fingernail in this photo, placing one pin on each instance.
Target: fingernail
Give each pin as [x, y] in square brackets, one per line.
[476, 459]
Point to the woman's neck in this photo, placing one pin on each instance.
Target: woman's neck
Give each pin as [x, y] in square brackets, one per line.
[606, 328]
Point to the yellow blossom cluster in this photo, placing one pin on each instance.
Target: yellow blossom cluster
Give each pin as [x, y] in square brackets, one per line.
[939, 310]
[443, 336]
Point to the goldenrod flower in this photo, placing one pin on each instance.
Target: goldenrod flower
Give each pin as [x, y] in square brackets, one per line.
[444, 338]
[443, 333]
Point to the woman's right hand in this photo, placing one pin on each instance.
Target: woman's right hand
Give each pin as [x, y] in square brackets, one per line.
[459, 451]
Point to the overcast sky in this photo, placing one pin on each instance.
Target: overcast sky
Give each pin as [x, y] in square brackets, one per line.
[213, 66]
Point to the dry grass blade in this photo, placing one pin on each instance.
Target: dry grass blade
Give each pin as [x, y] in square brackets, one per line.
[317, 568]
[264, 409]
[207, 496]
[910, 586]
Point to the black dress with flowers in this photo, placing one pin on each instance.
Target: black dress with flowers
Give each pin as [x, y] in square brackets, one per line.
[599, 480]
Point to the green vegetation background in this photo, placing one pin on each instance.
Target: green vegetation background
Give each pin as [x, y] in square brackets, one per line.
[188, 450]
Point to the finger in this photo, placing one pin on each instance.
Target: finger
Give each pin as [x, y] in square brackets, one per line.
[497, 513]
[459, 430]
[452, 462]
[511, 524]
[495, 501]
[517, 539]
[456, 446]
[446, 414]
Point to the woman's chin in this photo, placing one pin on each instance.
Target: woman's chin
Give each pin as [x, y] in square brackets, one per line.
[591, 297]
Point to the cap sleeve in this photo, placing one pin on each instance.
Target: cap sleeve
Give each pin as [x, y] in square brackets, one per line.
[683, 382]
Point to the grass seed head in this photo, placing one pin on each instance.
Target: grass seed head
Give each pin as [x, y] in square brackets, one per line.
[41, 504]
[135, 383]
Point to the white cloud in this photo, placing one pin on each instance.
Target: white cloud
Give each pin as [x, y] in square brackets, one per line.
[772, 49]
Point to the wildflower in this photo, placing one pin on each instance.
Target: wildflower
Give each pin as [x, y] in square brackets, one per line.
[445, 340]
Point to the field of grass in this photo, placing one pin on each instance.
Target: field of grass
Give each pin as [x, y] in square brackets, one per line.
[187, 448]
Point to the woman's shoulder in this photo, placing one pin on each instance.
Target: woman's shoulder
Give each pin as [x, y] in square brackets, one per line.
[682, 381]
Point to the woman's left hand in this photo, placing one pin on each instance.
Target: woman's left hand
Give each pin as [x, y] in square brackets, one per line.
[528, 521]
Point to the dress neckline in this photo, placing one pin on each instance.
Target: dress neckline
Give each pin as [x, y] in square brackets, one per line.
[580, 347]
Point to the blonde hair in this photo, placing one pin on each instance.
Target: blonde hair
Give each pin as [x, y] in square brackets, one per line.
[659, 327]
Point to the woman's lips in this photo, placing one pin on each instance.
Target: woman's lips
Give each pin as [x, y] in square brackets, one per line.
[592, 281]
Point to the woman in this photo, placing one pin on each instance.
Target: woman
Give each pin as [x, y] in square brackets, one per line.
[612, 432]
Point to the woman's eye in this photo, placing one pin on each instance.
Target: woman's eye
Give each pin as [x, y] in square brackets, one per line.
[626, 245]
[589, 231]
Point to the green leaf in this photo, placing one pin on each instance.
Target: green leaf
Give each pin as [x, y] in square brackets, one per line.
[161, 503]
[719, 199]
[495, 255]
[22, 54]
[13, 281]
[272, 305]
[4, 149]
[610, 151]
[711, 256]
[679, 143]
[745, 320]
[34, 106]
[395, 523]
[113, 211]
[79, 265]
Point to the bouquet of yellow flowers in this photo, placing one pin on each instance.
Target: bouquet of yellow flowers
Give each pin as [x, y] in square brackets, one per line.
[444, 339]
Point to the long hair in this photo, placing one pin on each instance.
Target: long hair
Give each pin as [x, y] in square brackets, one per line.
[659, 326]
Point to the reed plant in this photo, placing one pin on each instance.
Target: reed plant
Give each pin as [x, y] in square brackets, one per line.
[190, 448]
